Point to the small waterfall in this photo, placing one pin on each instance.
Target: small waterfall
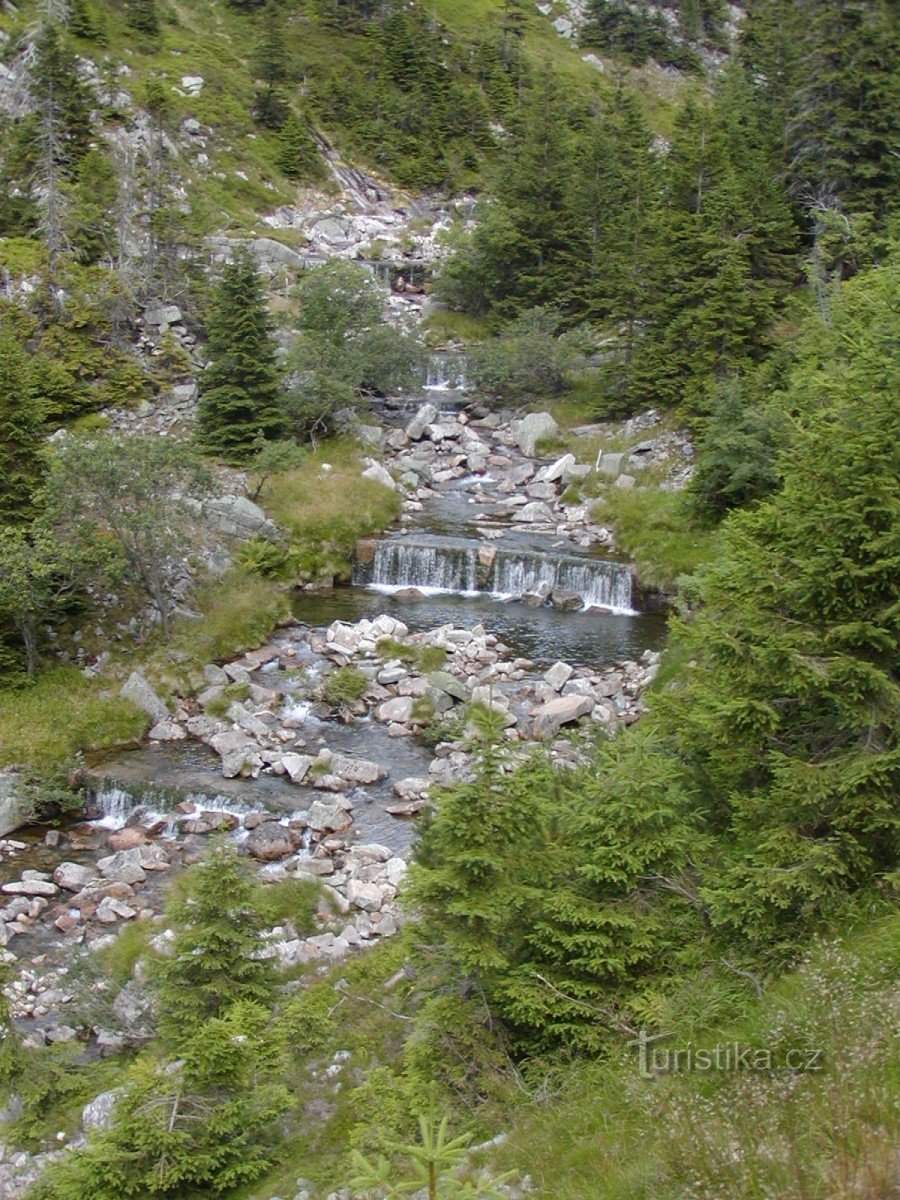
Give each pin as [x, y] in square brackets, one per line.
[427, 566]
[111, 806]
[445, 372]
[433, 565]
[598, 584]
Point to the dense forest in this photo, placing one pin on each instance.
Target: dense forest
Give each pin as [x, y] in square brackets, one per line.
[235, 236]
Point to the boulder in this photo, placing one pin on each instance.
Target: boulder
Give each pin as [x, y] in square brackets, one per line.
[271, 841]
[72, 877]
[167, 731]
[329, 818]
[97, 1113]
[123, 867]
[30, 887]
[558, 675]
[110, 910]
[535, 512]
[356, 770]
[296, 766]
[566, 601]
[397, 711]
[138, 691]
[610, 464]
[415, 430]
[374, 470]
[239, 518]
[133, 1010]
[558, 470]
[163, 315]
[531, 429]
[443, 681]
[127, 838]
[555, 713]
[367, 896]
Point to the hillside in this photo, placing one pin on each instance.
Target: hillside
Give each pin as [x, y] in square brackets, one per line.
[448, 611]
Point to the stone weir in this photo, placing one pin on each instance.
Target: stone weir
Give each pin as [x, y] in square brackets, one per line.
[430, 564]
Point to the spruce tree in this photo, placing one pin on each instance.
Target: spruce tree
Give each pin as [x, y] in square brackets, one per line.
[142, 16]
[21, 434]
[85, 22]
[202, 1125]
[790, 711]
[723, 253]
[240, 396]
[62, 101]
[298, 154]
[271, 66]
[216, 960]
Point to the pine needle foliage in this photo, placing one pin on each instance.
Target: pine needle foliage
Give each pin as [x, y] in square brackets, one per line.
[240, 394]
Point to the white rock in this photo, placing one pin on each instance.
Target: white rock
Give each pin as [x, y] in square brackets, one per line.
[558, 675]
[380, 474]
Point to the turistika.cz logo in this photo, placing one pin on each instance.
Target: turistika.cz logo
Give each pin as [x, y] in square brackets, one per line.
[655, 1059]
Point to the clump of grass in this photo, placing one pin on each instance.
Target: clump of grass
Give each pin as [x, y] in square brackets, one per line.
[326, 507]
[233, 693]
[425, 658]
[430, 658]
[119, 960]
[655, 527]
[239, 612]
[346, 685]
[293, 900]
[443, 325]
[391, 648]
[47, 721]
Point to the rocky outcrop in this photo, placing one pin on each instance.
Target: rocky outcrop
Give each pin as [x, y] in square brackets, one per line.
[139, 692]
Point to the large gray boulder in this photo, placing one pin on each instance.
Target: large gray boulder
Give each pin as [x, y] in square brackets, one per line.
[555, 713]
[239, 518]
[329, 818]
[271, 841]
[97, 1113]
[531, 429]
[374, 470]
[138, 690]
[443, 681]
[423, 418]
[15, 810]
[72, 877]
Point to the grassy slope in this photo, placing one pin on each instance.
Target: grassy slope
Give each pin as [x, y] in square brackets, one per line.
[598, 1130]
[611, 1135]
[212, 39]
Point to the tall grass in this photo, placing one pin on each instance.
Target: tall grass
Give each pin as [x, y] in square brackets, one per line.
[656, 529]
[46, 722]
[819, 1134]
[326, 506]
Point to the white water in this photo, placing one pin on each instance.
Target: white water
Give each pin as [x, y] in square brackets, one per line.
[116, 805]
[598, 584]
[446, 373]
[452, 568]
[431, 569]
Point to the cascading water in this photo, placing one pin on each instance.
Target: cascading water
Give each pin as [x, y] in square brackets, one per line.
[597, 584]
[429, 567]
[445, 372]
[434, 565]
[111, 806]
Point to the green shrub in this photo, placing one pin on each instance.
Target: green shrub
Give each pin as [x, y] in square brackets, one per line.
[527, 359]
[346, 685]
